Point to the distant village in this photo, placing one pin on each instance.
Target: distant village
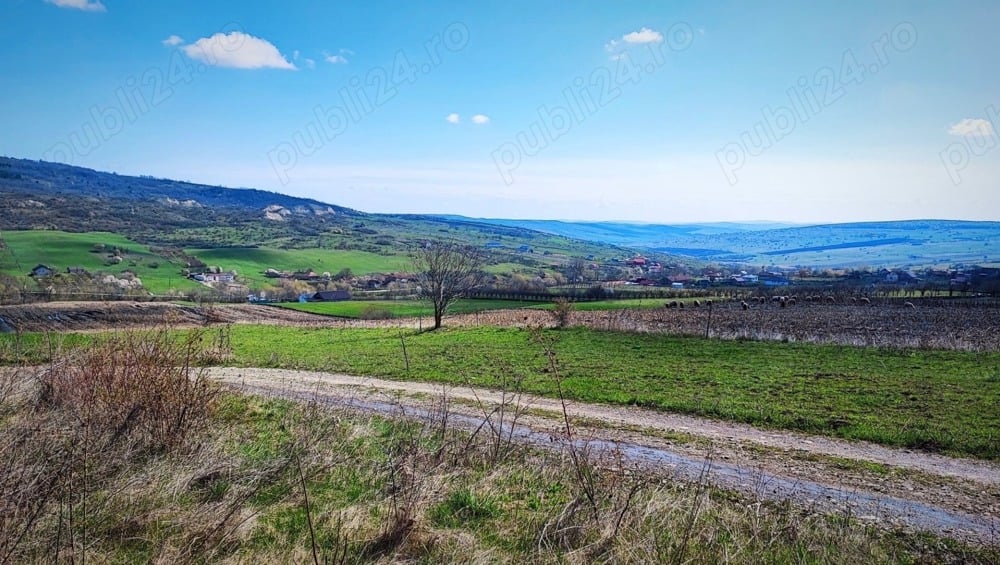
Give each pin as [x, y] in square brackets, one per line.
[616, 273]
[637, 273]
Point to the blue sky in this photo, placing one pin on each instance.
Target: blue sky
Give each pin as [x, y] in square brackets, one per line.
[641, 111]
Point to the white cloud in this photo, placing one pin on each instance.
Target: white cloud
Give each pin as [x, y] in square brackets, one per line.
[972, 126]
[85, 5]
[617, 47]
[480, 119]
[452, 118]
[339, 59]
[173, 41]
[237, 50]
[644, 35]
[310, 63]
[295, 55]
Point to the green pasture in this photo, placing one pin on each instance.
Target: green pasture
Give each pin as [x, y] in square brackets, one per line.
[925, 399]
[402, 308]
[252, 262]
[60, 250]
[415, 308]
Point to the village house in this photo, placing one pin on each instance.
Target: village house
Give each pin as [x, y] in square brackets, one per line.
[41, 271]
[330, 296]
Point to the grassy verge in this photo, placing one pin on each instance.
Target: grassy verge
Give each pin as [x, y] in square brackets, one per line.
[275, 481]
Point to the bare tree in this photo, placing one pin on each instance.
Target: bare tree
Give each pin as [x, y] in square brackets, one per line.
[576, 270]
[446, 272]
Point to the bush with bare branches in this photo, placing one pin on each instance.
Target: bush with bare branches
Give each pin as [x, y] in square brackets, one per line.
[139, 385]
[561, 312]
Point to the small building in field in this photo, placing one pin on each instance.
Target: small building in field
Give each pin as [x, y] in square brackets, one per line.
[330, 296]
[215, 277]
[41, 271]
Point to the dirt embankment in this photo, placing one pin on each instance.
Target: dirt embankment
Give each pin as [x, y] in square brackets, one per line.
[82, 316]
[939, 326]
[957, 497]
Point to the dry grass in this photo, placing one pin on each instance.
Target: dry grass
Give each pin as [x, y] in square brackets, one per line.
[134, 385]
[75, 427]
[115, 455]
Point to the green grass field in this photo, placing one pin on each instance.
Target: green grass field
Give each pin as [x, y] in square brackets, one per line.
[403, 308]
[934, 400]
[252, 262]
[414, 308]
[60, 250]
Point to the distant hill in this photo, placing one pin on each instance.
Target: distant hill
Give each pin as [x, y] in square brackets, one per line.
[908, 243]
[44, 178]
[896, 243]
[167, 222]
[633, 234]
[41, 195]
[171, 214]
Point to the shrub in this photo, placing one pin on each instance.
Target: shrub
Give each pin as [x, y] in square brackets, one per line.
[562, 312]
[135, 385]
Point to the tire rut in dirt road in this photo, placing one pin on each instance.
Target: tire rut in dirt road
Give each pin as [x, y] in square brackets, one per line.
[956, 497]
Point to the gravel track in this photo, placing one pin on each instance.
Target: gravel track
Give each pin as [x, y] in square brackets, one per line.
[955, 497]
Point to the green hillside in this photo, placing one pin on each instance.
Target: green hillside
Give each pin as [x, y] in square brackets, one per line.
[59, 250]
[55, 214]
[252, 262]
[161, 269]
[23, 250]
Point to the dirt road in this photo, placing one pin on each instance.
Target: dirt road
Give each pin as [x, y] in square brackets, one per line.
[894, 487]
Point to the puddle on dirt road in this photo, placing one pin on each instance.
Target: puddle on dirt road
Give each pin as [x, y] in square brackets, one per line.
[862, 505]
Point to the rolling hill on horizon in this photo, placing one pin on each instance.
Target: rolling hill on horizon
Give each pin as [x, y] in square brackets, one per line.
[42, 195]
[896, 243]
[167, 213]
